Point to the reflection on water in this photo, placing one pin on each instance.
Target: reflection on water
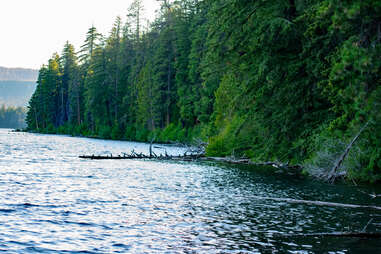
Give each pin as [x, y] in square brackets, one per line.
[50, 200]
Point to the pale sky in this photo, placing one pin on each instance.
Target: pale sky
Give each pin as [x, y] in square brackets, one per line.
[32, 30]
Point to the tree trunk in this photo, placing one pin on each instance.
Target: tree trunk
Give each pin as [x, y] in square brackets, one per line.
[78, 108]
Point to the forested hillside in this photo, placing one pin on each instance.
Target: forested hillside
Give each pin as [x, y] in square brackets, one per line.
[18, 74]
[16, 93]
[12, 117]
[291, 81]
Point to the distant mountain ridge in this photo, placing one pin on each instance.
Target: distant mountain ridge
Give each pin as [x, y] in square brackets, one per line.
[16, 93]
[18, 74]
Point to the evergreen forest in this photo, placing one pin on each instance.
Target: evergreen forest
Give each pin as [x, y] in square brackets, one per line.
[291, 81]
[12, 117]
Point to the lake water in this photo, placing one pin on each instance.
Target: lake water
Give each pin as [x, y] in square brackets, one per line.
[52, 201]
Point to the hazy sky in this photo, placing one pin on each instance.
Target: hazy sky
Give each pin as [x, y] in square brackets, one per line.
[32, 30]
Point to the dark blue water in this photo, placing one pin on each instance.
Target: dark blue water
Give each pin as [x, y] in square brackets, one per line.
[52, 201]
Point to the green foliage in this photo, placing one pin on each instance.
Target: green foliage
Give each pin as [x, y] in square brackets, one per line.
[50, 129]
[142, 135]
[172, 133]
[104, 131]
[229, 142]
[129, 133]
[64, 129]
[116, 132]
[80, 130]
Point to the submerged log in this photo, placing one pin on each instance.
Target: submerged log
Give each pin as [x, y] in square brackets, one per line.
[190, 157]
[372, 195]
[227, 160]
[250, 162]
[337, 234]
[318, 203]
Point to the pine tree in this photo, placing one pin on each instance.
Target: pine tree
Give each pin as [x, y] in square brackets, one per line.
[71, 87]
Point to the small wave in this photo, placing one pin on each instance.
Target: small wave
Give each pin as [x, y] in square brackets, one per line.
[34, 249]
[56, 222]
[20, 183]
[38, 250]
[97, 201]
[19, 243]
[30, 205]
[88, 224]
[26, 205]
[122, 246]
[67, 213]
[5, 210]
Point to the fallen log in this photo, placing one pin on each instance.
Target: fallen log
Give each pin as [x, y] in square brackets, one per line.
[99, 157]
[332, 174]
[336, 234]
[227, 159]
[190, 157]
[318, 203]
[134, 155]
[372, 195]
[249, 162]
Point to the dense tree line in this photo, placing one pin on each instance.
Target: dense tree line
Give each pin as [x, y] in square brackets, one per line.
[12, 117]
[287, 80]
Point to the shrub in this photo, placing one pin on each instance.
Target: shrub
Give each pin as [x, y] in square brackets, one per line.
[104, 131]
[130, 133]
[116, 132]
[142, 134]
[50, 129]
[228, 141]
[217, 147]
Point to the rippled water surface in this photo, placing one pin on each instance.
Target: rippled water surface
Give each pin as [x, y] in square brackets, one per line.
[52, 201]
